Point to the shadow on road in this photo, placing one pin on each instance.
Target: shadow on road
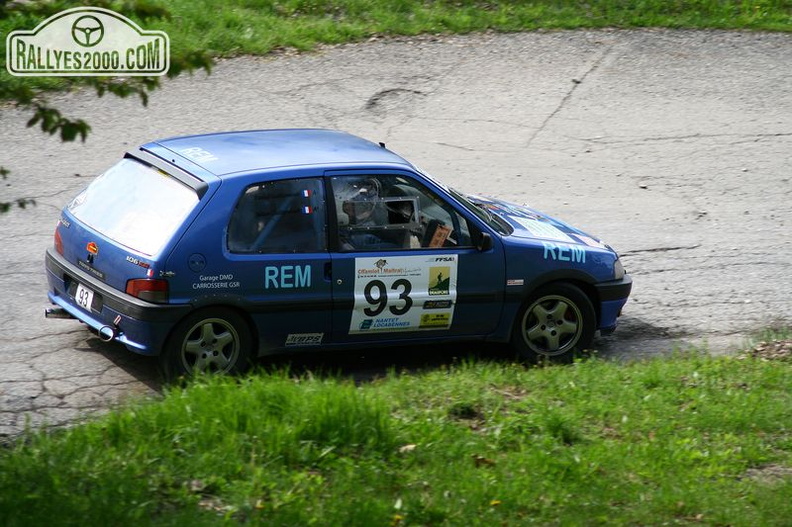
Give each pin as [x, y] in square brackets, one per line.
[366, 365]
[140, 367]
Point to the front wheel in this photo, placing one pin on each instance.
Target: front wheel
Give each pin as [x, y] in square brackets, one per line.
[213, 340]
[556, 322]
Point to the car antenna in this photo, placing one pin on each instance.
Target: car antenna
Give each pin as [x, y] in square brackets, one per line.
[382, 144]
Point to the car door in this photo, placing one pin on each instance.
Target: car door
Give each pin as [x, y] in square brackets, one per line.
[277, 246]
[404, 261]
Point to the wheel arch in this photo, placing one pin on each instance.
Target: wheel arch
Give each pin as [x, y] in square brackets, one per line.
[579, 279]
[564, 333]
[223, 303]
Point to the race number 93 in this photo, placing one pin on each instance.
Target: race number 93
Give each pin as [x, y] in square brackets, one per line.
[376, 294]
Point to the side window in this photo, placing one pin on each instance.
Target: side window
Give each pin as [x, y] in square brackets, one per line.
[286, 216]
[394, 212]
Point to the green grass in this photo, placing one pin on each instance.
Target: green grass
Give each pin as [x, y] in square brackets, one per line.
[685, 440]
[245, 26]
[258, 27]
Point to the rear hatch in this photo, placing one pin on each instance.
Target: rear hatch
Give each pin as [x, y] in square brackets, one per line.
[119, 227]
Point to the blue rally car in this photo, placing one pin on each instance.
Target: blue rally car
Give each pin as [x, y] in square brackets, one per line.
[212, 250]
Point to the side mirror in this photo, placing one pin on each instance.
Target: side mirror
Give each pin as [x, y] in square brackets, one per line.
[484, 243]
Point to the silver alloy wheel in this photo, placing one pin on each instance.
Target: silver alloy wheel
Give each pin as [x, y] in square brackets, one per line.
[552, 325]
[211, 346]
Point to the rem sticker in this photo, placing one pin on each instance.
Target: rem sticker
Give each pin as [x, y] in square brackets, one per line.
[542, 229]
[564, 253]
[304, 339]
[403, 293]
[216, 281]
[198, 154]
[287, 276]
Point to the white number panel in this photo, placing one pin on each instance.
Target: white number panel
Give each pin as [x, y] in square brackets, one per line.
[84, 297]
[404, 293]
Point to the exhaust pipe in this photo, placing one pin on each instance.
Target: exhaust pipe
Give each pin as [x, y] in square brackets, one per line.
[56, 312]
[107, 333]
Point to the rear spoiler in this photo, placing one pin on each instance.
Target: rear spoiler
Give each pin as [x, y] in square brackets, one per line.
[200, 187]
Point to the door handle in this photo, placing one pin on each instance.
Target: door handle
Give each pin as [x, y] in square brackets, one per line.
[328, 271]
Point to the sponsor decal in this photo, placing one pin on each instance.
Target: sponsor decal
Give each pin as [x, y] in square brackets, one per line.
[390, 323]
[287, 276]
[216, 281]
[437, 304]
[86, 267]
[198, 154]
[397, 293]
[304, 339]
[439, 280]
[435, 320]
[564, 253]
[542, 229]
[87, 42]
[591, 242]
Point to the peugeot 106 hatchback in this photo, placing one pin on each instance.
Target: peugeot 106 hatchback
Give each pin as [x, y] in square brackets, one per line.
[211, 250]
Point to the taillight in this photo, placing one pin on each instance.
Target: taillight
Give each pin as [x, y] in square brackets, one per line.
[58, 241]
[149, 289]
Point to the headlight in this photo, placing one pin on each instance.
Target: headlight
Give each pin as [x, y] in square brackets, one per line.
[618, 270]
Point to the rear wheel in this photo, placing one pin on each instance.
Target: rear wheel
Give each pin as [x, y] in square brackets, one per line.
[213, 340]
[556, 322]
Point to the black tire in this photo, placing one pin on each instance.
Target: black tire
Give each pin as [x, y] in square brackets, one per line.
[556, 323]
[211, 340]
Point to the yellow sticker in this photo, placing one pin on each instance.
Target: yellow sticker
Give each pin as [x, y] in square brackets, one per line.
[435, 320]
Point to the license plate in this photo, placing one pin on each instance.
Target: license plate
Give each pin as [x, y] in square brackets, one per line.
[84, 297]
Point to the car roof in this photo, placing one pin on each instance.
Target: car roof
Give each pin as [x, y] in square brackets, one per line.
[229, 152]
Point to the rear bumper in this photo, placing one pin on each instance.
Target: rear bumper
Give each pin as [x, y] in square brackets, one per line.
[141, 326]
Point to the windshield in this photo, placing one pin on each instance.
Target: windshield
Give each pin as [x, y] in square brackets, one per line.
[135, 205]
[493, 220]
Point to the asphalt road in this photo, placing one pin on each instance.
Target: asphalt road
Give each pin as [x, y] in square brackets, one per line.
[674, 147]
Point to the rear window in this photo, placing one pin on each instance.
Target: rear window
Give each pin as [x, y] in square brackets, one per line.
[135, 205]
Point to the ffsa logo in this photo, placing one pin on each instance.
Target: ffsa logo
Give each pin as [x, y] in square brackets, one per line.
[87, 41]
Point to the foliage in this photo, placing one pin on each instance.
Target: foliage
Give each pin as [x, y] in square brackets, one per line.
[31, 95]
